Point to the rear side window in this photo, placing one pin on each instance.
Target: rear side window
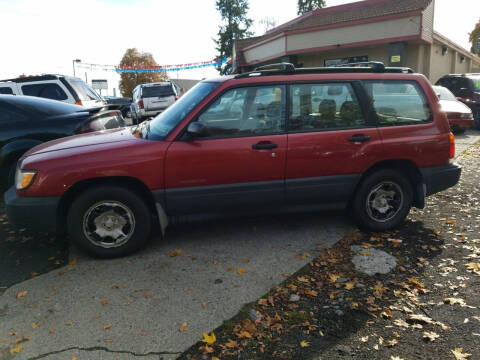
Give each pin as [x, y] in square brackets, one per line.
[399, 102]
[6, 91]
[317, 107]
[157, 91]
[45, 90]
[84, 92]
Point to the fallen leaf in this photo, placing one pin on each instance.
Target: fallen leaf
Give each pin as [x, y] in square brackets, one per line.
[52, 331]
[395, 357]
[401, 323]
[175, 252]
[365, 253]
[108, 326]
[459, 354]
[230, 268]
[312, 293]
[16, 349]
[22, 294]
[303, 279]
[453, 301]
[246, 260]
[209, 339]
[450, 222]
[474, 267]
[108, 340]
[304, 343]
[430, 335]
[204, 304]
[244, 335]
[354, 305]
[143, 333]
[206, 349]
[183, 327]
[231, 344]
[34, 325]
[391, 343]
[216, 262]
[349, 285]
[241, 271]
[333, 277]
[104, 302]
[386, 313]
[72, 261]
[364, 339]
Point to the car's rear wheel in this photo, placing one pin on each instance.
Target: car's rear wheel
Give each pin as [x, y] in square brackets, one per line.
[382, 200]
[109, 221]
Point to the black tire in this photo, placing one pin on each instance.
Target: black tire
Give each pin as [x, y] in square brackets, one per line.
[128, 211]
[368, 204]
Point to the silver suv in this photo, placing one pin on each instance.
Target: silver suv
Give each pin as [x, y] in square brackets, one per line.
[149, 100]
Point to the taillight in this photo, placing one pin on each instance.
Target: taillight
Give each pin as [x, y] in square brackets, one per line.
[452, 145]
[78, 102]
[140, 104]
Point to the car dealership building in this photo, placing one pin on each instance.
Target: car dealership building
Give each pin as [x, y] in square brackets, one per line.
[395, 32]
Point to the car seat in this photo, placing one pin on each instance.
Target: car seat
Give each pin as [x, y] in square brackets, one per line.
[350, 113]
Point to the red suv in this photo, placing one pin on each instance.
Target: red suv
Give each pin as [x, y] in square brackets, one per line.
[372, 139]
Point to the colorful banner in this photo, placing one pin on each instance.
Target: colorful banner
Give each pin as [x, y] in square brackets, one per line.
[154, 69]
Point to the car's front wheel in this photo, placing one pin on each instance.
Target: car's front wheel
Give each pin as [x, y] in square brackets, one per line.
[109, 221]
[382, 200]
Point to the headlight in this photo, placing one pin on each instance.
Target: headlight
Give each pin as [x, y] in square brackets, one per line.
[24, 178]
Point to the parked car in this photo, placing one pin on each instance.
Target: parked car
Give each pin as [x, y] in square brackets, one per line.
[68, 89]
[459, 115]
[122, 102]
[26, 121]
[149, 100]
[466, 87]
[271, 149]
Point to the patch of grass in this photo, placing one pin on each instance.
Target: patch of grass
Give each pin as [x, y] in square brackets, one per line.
[297, 317]
[228, 324]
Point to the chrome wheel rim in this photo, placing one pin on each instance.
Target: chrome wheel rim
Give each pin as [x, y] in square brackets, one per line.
[108, 224]
[384, 201]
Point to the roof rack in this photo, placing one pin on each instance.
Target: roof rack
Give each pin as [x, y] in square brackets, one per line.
[33, 78]
[359, 67]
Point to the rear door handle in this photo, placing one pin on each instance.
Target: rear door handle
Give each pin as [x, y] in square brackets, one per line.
[264, 146]
[359, 138]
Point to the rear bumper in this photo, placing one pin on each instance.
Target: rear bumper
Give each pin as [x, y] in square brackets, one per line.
[35, 213]
[439, 178]
[461, 123]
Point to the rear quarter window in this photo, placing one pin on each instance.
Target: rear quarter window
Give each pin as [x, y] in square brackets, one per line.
[6, 91]
[399, 102]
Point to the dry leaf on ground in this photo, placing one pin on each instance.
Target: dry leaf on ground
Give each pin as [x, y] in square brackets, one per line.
[209, 339]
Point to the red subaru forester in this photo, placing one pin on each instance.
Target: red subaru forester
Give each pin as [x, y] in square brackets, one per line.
[370, 138]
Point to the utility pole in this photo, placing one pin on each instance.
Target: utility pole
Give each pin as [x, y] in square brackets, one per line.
[73, 62]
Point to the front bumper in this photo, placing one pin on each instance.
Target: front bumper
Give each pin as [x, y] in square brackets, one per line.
[35, 213]
[439, 178]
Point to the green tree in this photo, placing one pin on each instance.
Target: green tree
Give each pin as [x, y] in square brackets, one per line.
[309, 5]
[475, 39]
[235, 26]
[128, 81]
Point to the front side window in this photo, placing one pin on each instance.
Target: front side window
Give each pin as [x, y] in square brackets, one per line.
[249, 111]
[45, 90]
[318, 107]
[166, 121]
[399, 102]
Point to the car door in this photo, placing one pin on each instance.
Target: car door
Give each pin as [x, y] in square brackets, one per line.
[239, 162]
[332, 140]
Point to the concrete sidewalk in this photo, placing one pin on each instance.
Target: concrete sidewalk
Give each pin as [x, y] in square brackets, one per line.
[133, 307]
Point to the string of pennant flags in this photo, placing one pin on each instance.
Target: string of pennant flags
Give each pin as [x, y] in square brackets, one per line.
[154, 69]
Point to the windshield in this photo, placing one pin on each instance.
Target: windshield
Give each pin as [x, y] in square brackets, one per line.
[476, 84]
[444, 93]
[165, 122]
[84, 92]
[157, 91]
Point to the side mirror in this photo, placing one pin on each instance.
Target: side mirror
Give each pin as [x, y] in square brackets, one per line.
[196, 129]
[464, 92]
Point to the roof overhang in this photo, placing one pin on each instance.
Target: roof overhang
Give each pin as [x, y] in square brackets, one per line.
[365, 32]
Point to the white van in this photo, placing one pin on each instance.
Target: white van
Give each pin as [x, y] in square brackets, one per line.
[56, 87]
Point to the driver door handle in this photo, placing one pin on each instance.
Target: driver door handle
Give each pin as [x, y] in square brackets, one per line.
[359, 138]
[267, 145]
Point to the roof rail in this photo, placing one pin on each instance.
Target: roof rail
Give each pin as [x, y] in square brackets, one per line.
[33, 78]
[359, 67]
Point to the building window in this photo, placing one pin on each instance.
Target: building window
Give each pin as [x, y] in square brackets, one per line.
[343, 61]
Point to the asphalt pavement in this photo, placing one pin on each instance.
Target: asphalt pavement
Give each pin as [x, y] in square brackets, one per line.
[101, 309]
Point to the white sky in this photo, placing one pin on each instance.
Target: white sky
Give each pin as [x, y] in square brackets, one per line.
[44, 36]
